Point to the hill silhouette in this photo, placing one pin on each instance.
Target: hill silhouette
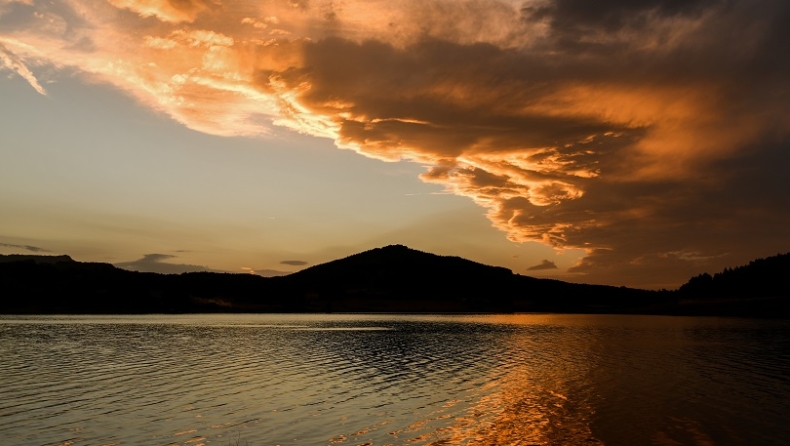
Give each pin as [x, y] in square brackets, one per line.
[759, 288]
[389, 279]
[760, 278]
[398, 278]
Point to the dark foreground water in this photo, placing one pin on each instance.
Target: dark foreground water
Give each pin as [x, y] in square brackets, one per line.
[397, 380]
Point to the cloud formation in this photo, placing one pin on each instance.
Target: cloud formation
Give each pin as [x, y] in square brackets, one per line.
[10, 61]
[294, 262]
[156, 263]
[169, 10]
[630, 129]
[543, 265]
[25, 247]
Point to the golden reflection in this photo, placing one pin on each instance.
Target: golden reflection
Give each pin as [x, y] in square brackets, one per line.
[532, 404]
[537, 396]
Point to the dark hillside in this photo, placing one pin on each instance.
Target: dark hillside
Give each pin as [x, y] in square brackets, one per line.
[389, 279]
[395, 278]
[760, 289]
[767, 277]
[60, 285]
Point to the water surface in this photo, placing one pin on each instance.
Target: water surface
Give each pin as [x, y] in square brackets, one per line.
[393, 380]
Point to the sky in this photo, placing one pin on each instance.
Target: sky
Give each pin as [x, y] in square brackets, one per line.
[620, 142]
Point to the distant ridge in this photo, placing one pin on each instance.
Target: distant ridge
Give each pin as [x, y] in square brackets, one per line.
[766, 277]
[35, 258]
[393, 278]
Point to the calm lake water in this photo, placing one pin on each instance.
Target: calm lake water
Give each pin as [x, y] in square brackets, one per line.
[393, 380]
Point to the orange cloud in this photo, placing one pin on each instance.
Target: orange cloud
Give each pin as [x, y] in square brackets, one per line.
[607, 129]
[166, 10]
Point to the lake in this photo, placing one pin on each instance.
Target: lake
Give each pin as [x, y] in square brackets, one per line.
[393, 380]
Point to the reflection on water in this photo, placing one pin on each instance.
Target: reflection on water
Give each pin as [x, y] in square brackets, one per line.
[398, 380]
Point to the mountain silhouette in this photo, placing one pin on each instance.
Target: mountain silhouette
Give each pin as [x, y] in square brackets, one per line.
[389, 279]
[397, 278]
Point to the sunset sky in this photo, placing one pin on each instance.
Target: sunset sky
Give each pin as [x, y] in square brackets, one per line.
[625, 142]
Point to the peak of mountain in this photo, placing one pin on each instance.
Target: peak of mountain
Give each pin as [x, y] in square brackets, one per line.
[399, 262]
[398, 278]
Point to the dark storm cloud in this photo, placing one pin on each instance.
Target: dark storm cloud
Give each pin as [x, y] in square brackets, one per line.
[636, 133]
[567, 16]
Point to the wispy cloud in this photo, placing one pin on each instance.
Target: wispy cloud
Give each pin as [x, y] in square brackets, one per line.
[156, 263]
[294, 262]
[167, 10]
[545, 264]
[627, 129]
[25, 247]
[10, 61]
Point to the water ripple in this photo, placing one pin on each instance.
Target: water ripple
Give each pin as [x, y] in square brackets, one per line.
[398, 380]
